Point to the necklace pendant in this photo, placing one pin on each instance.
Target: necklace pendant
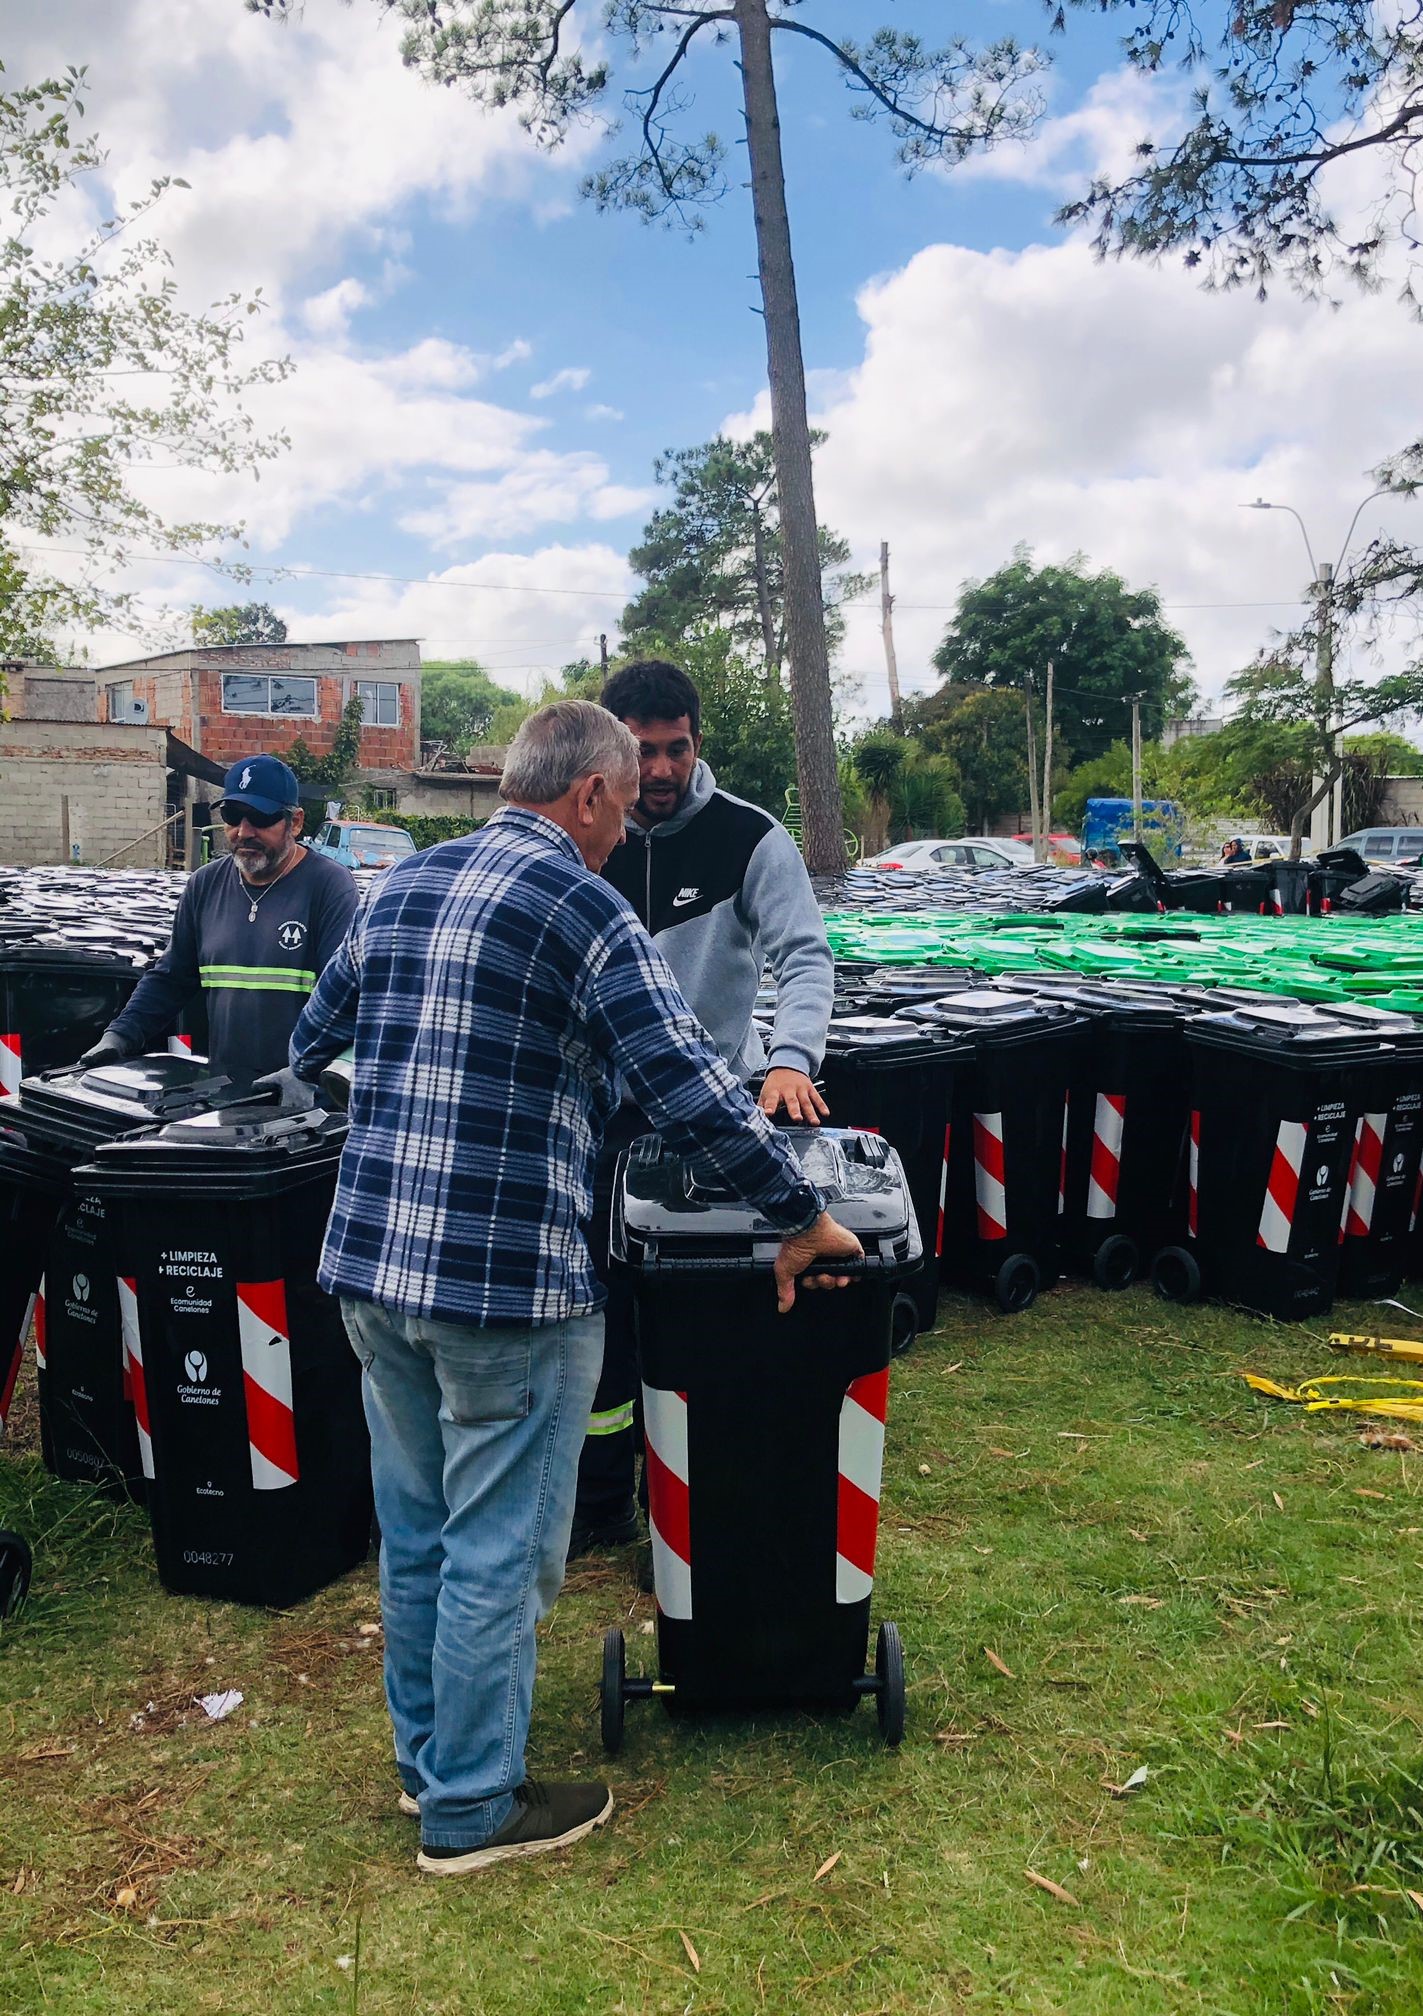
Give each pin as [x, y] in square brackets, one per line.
[252, 914]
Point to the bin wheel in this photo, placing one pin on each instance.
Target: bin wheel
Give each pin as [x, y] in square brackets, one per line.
[1176, 1276]
[610, 1690]
[1115, 1262]
[16, 1562]
[903, 1325]
[1016, 1283]
[889, 1687]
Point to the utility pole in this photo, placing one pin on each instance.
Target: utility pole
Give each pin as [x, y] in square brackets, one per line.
[1322, 818]
[1136, 768]
[603, 651]
[886, 616]
[1042, 851]
[1032, 763]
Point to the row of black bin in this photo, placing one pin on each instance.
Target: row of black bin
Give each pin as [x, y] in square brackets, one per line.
[162, 1230]
[1261, 1151]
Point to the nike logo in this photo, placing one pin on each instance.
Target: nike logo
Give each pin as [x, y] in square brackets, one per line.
[685, 896]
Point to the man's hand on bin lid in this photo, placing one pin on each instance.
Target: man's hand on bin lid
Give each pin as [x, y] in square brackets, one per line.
[108, 1050]
[824, 1240]
[294, 1095]
[792, 1090]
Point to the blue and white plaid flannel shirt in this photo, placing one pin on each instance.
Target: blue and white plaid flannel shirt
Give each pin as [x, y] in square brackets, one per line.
[500, 998]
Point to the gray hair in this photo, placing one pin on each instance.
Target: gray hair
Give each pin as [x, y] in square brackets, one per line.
[561, 743]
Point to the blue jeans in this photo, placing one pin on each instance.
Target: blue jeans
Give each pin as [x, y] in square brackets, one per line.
[475, 1435]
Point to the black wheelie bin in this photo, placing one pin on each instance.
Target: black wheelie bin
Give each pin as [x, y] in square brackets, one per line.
[765, 1436]
[87, 1426]
[1277, 1093]
[1388, 1145]
[895, 1079]
[259, 1470]
[1008, 1147]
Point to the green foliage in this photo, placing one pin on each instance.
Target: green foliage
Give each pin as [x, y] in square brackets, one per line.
[1392, 755]
[426, 829]
[329, 772]
[1106, 642]
[984, 733]
[925, 802]
[251, 623]
[104, 375]
[878, 759]
[458, 703]
[714, 554]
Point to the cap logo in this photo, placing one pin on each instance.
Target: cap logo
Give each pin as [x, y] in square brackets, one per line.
[245, 779]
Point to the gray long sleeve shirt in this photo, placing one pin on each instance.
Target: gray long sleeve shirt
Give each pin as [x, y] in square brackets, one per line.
[722, 889]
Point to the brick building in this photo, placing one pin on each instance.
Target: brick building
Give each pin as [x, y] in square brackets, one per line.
[230, 701]
[78, 791]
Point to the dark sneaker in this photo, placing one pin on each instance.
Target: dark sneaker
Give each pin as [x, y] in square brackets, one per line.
[617, 1528]
[544, 1817]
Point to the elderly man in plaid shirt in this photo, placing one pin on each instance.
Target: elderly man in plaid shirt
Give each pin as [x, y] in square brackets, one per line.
[500, 996]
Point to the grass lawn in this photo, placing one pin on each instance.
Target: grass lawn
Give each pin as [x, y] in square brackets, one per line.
[1173, 1572]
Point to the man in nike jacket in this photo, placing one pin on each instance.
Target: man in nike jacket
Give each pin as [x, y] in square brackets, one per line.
[722, 889]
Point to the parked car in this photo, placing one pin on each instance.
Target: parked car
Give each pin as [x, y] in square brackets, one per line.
[357, 845]
[1388, 845]
[924, 856]
[1064, 849]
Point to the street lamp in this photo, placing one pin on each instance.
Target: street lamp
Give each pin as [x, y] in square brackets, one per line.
[1322, 576]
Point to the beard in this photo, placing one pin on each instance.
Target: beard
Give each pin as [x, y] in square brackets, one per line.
[655, 810]
[260, 858]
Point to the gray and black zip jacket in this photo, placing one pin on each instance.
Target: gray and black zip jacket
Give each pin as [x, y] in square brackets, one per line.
[722, 889]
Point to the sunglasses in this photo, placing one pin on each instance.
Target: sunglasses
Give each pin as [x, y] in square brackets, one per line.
[232, 813]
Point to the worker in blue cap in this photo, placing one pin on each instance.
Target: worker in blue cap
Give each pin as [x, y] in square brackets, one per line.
[253, 930]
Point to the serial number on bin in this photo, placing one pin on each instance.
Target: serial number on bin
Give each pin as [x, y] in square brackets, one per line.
[204, 1557]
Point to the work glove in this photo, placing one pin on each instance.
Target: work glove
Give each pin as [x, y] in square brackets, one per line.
[108, 1050]
[294, 1095]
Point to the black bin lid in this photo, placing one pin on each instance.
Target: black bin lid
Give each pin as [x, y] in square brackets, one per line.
[990, 1015]
[1292, 1033]
[675, 1212]
[1142, 1010]
[243, 1149]
[78, 1109]
[876, 1039]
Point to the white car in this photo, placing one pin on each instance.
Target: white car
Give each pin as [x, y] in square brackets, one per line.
[925, 856]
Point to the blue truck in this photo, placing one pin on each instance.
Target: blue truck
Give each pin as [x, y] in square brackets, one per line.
[1109, 821]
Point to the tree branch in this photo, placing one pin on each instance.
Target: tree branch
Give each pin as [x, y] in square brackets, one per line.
[847, 62]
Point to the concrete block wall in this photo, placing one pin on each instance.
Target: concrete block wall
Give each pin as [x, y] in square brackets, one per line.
[113, 777]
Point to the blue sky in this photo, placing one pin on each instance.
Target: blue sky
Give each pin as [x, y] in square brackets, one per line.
[486, 368]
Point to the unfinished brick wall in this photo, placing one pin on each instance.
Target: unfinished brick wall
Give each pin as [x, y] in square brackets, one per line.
[113, 777]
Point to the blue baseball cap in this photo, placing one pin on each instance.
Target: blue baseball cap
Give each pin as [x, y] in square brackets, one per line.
[263, 782]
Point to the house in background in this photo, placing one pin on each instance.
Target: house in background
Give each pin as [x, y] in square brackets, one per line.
[227, 701]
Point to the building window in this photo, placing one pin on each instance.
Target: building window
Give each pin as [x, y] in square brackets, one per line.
[381, 701]
[263, 693]
[121, 700]
[381, 800]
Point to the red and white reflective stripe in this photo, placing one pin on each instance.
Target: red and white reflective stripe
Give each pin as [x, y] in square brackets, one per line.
[1104, 1182]
[1364, 1175]
[41, 1361]
[10, 1372]
[1277, 903]
[1349, 1179]
[1277, 1213]
[267, 1383]
[1062, 1158]
[180, 1046]
[943, 1195]
[9, 1067]
[136, 1380]
[1193, 1176]
[862, 1413]
[669, 1517]
[988, 1175]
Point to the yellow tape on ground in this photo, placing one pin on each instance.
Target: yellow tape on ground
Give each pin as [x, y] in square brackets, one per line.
[1398, 1404]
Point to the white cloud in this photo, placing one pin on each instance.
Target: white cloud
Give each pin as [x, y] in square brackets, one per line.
[544, 488]
[1114, 409]
[603, 413]
[1098, 136]
[517, 352]
[571, 379]
[329, 314]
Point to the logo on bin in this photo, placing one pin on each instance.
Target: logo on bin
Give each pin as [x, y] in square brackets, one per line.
[196, 1367]
[1321, 1176]
[81, 1287]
